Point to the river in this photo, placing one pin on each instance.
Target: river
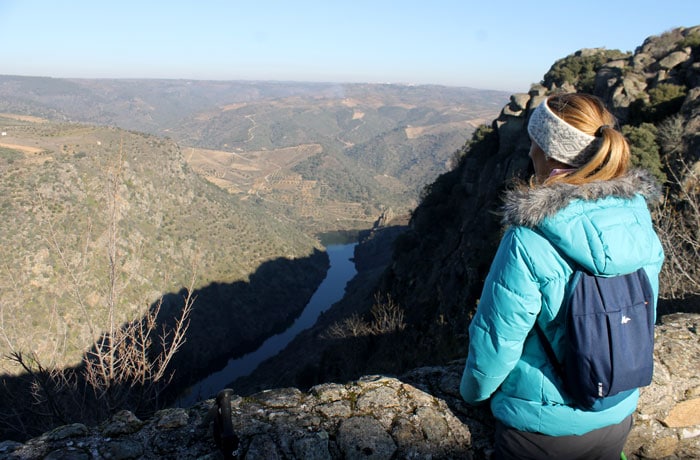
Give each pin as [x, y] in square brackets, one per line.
[332, 288]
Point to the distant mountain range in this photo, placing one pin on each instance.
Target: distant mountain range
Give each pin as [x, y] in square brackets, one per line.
[330, 156]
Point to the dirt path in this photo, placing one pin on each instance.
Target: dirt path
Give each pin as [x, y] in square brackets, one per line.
[22, 148]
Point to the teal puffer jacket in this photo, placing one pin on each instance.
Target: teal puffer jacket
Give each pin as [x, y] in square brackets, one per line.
[604, 227]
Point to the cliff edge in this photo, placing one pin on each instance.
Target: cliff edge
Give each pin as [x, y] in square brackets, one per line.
[418, 415]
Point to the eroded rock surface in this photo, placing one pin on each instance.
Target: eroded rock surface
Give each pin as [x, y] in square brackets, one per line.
[419, 415]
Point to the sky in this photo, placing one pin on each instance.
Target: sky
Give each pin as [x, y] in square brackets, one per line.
[502, 45]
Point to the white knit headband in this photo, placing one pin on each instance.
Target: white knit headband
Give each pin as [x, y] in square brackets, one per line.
[558, 139]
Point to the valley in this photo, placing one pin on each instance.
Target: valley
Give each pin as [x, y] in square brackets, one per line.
[116, 202]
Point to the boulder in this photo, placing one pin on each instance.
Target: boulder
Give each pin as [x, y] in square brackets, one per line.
[674, 59]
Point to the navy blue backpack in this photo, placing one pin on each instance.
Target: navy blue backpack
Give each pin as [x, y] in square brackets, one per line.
[609, 338]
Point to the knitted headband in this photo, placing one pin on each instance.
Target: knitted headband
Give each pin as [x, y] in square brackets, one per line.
[558, 139]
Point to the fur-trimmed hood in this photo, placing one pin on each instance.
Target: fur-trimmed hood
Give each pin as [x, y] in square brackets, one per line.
[529, 206]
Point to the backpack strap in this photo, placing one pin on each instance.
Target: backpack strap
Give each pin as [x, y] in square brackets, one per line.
[558, 367]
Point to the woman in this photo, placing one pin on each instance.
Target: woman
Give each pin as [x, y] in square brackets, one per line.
[584, 205]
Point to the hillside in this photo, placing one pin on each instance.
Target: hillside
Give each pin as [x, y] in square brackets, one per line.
[438, 265]
[99, 224]
[329, 156]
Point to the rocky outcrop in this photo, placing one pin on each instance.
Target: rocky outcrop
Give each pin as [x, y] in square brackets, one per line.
[667, 422]
[419, 415]
[375, 417]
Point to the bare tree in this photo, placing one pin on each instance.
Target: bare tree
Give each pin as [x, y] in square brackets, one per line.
[678, 222]
[131, 367]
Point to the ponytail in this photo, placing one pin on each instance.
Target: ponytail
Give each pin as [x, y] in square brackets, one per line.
[609, 153]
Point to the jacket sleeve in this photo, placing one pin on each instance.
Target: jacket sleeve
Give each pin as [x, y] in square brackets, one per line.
[509, 305]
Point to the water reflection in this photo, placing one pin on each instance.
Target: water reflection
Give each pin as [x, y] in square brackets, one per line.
[341, 270]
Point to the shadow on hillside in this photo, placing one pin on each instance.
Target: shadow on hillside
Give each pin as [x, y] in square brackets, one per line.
[227, 320]
[344, 344]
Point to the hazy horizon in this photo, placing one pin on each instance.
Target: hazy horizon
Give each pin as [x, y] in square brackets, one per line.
[446, 43]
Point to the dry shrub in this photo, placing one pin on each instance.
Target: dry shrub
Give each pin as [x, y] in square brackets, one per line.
[387, 317]
[129, 370]
[678, 224]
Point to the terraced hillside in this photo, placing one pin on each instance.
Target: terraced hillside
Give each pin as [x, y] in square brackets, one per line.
[328, 156]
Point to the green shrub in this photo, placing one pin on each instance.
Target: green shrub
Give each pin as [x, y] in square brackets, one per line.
[665, 92]
[665, 100]
[580, 70]
[691, 40]
[645, 150]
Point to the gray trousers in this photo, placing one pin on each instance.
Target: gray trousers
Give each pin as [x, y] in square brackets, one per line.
[601, 444]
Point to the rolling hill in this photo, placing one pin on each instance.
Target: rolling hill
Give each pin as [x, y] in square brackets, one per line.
[329, 156]
[79, 201]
